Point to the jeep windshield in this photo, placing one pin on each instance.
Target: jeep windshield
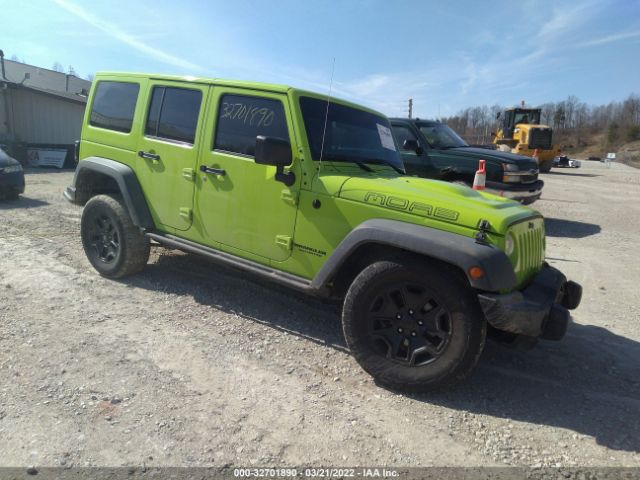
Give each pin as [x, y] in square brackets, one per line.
[439, 135]
[351, 135]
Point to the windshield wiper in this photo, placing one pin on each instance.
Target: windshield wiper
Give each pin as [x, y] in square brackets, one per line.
[381, 161]
[352, 160]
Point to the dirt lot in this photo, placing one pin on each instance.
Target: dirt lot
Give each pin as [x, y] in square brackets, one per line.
[189, 364]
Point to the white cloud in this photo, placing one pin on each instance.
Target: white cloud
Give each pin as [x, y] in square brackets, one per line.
[113, 31]
[610, 38]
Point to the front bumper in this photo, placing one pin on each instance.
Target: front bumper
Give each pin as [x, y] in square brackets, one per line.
[12, 182]
[539, 310]
[525, 193]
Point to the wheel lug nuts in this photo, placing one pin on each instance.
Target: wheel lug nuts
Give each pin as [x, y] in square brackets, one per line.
[413, 334]
[420, 322]
[398, 316]
[400, 330]
[410, 312]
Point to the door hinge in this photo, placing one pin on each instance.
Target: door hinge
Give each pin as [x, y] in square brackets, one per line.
[289, 196]
[189, 174]
[284, 241]
[186, 213]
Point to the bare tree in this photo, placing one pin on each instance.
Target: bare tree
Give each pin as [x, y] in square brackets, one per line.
[57, 66]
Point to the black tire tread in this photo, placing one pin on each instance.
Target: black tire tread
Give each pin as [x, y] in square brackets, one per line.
[475, 340]
[136, 246]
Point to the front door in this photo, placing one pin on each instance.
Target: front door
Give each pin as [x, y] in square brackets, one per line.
[168, 151]
[240, 204]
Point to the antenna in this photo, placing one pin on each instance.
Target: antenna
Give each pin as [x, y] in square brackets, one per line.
[326, 114]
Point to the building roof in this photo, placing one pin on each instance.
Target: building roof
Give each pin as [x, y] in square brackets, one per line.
[46, 81]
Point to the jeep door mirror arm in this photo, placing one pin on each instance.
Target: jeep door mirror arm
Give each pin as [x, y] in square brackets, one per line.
[276, 152]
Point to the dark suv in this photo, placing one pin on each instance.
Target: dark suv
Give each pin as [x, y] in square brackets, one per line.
[431, 149]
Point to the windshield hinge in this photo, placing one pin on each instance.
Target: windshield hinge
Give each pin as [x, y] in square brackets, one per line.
[289, 196]
[284, 241]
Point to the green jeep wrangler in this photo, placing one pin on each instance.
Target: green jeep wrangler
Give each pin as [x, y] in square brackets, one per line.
[310, 193]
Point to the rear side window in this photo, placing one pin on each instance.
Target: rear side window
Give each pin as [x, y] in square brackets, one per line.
[242, 118]
[114, 104]
[173, 114]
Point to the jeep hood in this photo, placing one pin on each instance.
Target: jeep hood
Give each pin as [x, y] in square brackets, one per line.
[435, 200]
[525, 163]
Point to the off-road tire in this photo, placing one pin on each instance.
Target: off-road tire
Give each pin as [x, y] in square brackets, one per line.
[546, 167]
[113, 244]
[466, 324]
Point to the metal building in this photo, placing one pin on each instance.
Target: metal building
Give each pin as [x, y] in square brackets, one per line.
[41, 113]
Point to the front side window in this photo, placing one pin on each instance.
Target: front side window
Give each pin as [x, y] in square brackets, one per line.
[113, 105]
[439, 135]
[173, 114]
[351, 134]
[528, 117]
[242, 118]
[403, 134]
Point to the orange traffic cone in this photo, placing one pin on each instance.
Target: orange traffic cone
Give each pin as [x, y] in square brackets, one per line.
[481, 176]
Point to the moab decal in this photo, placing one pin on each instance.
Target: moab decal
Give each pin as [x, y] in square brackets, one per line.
[417, 208]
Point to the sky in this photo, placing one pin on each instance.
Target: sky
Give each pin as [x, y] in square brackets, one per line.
[444, 55]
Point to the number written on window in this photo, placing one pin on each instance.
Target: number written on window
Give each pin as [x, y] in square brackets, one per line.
[242, 118]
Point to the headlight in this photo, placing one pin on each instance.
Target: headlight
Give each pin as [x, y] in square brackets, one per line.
[12, 169]
[511, 173]
[509, 244]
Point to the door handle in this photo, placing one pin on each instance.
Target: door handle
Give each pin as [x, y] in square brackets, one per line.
[149, 156]
[215, 171]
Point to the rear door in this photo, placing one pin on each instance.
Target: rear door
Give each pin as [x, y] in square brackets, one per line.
[168, 150]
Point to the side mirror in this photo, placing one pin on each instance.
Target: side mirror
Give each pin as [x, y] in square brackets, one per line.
[273, 151]
[277, 152]
[413, 146]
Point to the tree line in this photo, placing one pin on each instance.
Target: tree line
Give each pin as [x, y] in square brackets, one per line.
[575, 123]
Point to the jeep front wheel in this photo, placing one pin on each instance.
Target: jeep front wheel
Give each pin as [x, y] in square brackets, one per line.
[413, 328]
[113, 244]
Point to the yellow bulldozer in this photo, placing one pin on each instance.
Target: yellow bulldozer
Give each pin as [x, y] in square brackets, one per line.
[522, 133]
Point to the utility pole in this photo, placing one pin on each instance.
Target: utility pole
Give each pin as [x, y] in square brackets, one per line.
[410, 107]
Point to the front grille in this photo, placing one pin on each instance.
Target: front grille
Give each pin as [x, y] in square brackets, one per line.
[540, 138]
[529, 248]
[529, 178]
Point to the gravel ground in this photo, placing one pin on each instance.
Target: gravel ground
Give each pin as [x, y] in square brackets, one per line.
[188, 364]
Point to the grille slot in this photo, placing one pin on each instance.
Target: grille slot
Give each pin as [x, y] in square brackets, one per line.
[540, 138]
[530, 247]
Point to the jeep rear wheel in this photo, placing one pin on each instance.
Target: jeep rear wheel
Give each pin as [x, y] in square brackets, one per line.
[113, 244]
[413, 328]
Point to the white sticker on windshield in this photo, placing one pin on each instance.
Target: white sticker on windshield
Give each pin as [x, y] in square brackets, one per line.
[385, 137]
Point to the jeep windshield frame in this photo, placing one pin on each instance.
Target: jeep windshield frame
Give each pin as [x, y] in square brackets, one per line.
[440, 136]
[352, 135]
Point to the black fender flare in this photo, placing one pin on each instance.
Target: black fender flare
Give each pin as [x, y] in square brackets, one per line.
[126, 180]
[457, 250]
